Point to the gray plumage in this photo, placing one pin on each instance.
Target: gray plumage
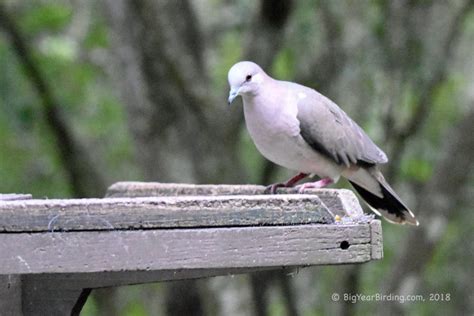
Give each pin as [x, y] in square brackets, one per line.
[300, 129]
[325, 127]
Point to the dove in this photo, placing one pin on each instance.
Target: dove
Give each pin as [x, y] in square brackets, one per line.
[300, 129]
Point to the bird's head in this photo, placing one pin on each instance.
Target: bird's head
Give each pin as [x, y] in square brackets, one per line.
[245, 78]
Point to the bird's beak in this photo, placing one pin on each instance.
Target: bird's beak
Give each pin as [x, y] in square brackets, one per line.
[234, 92]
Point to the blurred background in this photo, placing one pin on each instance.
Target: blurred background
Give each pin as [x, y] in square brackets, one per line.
[92, 92]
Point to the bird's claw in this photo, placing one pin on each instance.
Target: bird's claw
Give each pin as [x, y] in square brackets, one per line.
[305, 186]
[271, 189]
[301, 188]
[314, 185]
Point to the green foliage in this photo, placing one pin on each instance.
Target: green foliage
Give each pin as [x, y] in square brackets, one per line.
[97, 35]
[230, 50]
[284, 65]
[251, 158]
[135, 309]
[29, 161]
[276, 308]
[418, 170]
[445, 110]
[45, 17]
[90, 308]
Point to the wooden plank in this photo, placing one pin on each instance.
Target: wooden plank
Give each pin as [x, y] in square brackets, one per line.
[10, 284]
[376, 239]
[59, 269]
[119, 278]
[175, 249]
[10, 295]
[51, 296]
[340, 202]
[14, 196]
[161, 212]
[142, 189]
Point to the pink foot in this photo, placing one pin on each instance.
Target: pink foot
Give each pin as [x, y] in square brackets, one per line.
[315, 185]
[291, 182]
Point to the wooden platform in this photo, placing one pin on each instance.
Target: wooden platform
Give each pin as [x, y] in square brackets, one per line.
[54, 251]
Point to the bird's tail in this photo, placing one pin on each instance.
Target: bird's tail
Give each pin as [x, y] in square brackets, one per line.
[388, 204]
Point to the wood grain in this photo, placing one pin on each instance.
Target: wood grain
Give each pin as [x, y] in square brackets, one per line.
[14, 196]
[175, 249]
[54, 251]
[161, 212]
[341, 202]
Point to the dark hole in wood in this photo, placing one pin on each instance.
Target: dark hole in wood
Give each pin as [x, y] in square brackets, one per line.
[345, 244]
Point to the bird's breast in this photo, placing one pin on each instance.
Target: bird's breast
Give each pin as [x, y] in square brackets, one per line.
[276, 135]
[275, 130]
[270, 126]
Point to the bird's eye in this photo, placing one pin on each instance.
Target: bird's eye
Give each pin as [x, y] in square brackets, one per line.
[248, 78]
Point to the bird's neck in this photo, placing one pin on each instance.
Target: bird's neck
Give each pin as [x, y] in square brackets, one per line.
[265, 99]
[264, 108]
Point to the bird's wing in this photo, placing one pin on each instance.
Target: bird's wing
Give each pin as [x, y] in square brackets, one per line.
[330, 131]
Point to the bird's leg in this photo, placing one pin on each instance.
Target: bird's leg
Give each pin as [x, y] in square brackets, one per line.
[291, 182]
[315, 185]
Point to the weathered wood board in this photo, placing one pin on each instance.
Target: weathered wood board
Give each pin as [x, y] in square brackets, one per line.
[54, 251]
[207, 248]
[14, 197]
[341, 202]
[161, 212]
[183, 231]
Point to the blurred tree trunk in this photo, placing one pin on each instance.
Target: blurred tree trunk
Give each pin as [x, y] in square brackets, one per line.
[182, 298]
[83, 176]
[441, 200]
[181, 127]
[398, 41]
[158, 54]
[259, 283]
[267, 31]
[405, 54]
